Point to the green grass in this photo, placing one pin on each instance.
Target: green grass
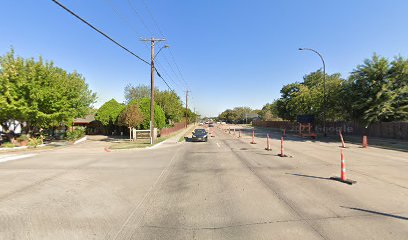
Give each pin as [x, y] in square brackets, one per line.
[182, 139]
[130, 145]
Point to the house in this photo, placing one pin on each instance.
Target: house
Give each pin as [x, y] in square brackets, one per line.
[91, 125]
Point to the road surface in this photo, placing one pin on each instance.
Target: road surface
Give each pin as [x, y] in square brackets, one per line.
[223, 189]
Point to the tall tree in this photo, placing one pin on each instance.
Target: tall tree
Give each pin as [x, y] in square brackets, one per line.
[378, 90]
[131, 116]
[109, 112]
[137, 92]
[171, 104]
[307, 98]
[39, 94]
[159, 117]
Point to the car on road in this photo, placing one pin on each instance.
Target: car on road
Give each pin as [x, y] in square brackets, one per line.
[199, 135]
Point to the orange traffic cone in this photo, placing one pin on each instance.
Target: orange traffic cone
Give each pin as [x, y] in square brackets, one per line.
[343, 176]
[343, 167]
[282, 153]
[343, 145]
[268, 146]
[365, 141]
[253, 137]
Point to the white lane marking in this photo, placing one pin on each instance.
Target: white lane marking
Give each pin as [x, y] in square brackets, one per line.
[15, 157]
[218, 145]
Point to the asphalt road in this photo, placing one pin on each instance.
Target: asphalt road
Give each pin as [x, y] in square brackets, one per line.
[223, 189]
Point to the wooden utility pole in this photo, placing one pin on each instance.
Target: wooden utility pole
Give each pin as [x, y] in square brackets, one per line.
[187, 108]
[152, 40]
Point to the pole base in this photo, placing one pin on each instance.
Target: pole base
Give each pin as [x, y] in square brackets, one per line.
[282, 155]
[268, 149]
[348, 181]
[253, 142]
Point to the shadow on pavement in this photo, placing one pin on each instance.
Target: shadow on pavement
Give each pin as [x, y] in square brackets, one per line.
[378, 213]
[308, 176]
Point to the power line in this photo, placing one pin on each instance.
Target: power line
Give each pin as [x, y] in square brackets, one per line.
[99, 31]
[139, 16]
[125, 20]
[162, 35]
[158, 74]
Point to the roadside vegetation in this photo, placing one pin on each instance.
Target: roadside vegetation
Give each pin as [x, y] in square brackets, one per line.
[39, 97]
[375, 91]
[135, 112]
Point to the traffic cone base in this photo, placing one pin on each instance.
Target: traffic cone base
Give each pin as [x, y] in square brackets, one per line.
[348, 181]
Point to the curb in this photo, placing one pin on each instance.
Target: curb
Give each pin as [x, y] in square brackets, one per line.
[80, 140]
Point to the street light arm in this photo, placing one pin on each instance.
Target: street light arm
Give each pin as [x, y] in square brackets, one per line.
[321, 57]
[165, 46]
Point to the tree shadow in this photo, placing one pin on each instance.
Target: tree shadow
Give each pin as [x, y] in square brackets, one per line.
[378, 213]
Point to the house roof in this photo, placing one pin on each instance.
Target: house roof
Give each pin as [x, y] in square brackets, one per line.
[87, 119]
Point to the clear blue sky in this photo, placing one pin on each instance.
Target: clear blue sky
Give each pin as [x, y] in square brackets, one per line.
[230, 53]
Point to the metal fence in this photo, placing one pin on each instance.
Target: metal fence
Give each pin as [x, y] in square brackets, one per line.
[395, 130]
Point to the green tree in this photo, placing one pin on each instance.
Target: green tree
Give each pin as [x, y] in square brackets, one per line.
[171, 104]
[169, 101]
[269, 111]
[137, 92]
[378, 90]
[399, 74]
[39, 94]
[159, 117]
[131, 116]
[109, 112]
[307, 98]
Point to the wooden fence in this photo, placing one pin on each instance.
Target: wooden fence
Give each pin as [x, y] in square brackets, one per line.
[395, 130]
[168, 131]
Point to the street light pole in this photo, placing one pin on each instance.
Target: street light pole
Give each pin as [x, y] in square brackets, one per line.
[152, 40]
[324, 86]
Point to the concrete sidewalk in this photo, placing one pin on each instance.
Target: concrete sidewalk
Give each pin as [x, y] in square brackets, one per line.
[175, 138]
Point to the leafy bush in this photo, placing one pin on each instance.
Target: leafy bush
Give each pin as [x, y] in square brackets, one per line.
[22, 138]
[75, 134]
[34, 142]
[8, 145]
